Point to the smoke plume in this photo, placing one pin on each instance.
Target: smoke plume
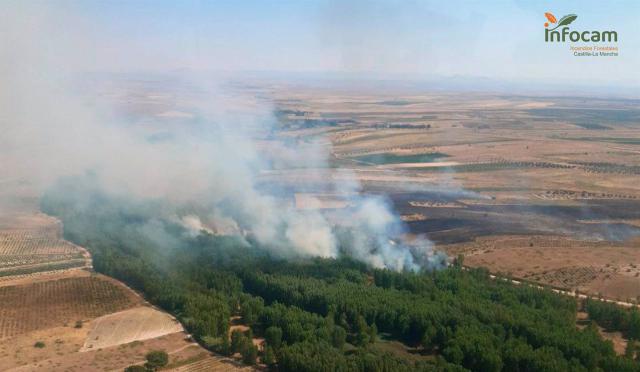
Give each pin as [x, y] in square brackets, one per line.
[204, 164]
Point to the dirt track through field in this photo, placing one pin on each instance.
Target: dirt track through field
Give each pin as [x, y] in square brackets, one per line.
[564, 292]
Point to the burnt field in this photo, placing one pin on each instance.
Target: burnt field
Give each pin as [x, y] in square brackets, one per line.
[459, 221]
[543, 189]
[588, 245]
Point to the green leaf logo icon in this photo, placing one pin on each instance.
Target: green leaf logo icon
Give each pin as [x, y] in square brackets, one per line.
[566, 20]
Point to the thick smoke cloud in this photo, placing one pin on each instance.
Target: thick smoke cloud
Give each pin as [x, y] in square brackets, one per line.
[205, 172]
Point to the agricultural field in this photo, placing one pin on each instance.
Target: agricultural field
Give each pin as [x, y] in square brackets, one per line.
[83, 321]
[68, 316]
[542, 190]
[527, 194]
[488, 175]
[211, 364]
[593, 267]
[61, 353]
[30, 307]
[31, 244]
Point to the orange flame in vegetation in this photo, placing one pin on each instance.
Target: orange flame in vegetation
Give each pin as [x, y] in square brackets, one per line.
[551, 17]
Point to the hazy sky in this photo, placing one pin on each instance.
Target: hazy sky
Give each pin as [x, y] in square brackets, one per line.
[495, 39]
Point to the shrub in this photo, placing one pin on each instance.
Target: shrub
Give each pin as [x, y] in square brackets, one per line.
[156, 359]
[237, 339]
[269, 357]
[249, 353]
[136, 368]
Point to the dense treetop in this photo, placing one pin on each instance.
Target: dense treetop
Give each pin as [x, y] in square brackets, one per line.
[333, 314]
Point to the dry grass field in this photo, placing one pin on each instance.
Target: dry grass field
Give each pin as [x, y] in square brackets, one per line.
[61, 353]
[594, 267]
[137, 324]
[56, 303]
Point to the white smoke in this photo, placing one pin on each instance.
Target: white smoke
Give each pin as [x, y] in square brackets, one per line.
[194, 225]
[214, 164]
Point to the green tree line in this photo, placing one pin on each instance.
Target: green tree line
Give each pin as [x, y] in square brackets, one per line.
[331, 314]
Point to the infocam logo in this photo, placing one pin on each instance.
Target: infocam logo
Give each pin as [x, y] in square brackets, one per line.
[552, 34]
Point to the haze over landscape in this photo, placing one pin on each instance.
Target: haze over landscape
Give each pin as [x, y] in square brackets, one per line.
[317, 186]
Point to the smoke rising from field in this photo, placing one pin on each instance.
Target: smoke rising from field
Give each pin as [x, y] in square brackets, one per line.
[205, 172]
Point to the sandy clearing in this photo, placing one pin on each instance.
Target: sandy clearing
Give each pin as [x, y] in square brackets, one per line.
[435, 164]
[114, 358]
[320, 201]
[616, 338]
[137, 324]
[413, 217]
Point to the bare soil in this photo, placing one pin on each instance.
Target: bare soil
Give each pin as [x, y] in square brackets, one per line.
[597, 268]
[29, 307]
[137, 324]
